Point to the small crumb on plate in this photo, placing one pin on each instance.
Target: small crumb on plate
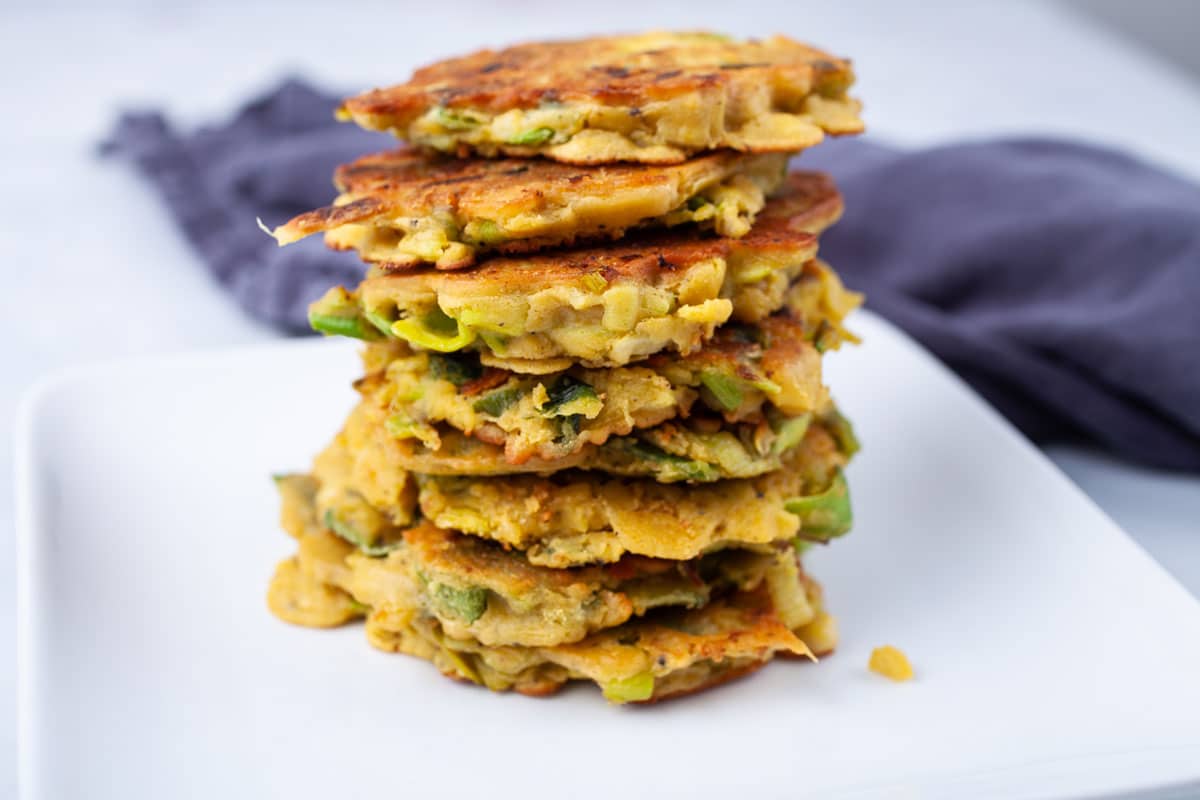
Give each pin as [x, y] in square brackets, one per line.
[891, 663]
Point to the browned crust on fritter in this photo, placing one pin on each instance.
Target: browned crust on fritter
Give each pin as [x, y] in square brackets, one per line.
[638, 258]
[783, 341]
[717, 679]
[467, 555]
[801, 657]
[545, 689]
[429, 180]
[595, 70]
[408, 180]
[807, 201]
[807, 204]
[322, 219]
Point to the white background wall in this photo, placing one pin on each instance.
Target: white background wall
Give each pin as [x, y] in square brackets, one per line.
[1168, 28]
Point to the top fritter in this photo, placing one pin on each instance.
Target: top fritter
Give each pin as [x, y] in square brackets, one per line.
[652, 98]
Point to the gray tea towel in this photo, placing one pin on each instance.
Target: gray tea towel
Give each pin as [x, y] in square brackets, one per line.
[1061, 280]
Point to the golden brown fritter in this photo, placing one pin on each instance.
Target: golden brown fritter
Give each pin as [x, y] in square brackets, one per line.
[655, 97]
[665, 653]
[478, 589]
[574, 518]
[744, 372]
[603, 306]
[403, 208]
[697, 450]
[571, 517]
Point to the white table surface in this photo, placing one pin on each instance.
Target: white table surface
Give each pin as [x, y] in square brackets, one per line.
[94, 269]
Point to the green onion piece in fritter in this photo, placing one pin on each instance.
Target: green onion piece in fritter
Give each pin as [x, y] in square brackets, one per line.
[725, 388]
[399, 426]
[484, 231]
[765, 385]
[630, 690]
[456, 119]
[533, 138]
[402, 427]
[790, 432]
[340, 326]
[568, 428]
[843, 433]
[825, 515]
[466, 604]
[496, 403]
[380, 321]
[348, 532]
[670, 465]
[495, 342]
[435, 331]
[463, 666]
[824, 337]
[568, 396]
[458, 368]
[337, 314]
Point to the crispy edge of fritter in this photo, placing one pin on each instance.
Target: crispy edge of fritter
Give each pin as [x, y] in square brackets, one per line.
[407, 182]
[748, 632]
[740, 360]
[593, 70]
[808, 204]
[603, 506]
[481, 589]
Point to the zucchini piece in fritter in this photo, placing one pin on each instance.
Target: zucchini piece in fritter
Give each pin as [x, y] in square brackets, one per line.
[823, 515]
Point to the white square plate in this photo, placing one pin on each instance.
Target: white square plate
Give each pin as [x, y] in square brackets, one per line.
[1054, 658]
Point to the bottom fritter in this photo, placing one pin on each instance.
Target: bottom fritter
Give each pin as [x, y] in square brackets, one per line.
[479, 589]
[670, 653]
[665, 653]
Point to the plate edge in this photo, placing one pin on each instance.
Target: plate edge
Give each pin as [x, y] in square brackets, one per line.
[1023, 441]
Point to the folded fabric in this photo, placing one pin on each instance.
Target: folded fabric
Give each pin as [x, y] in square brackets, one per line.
[1061, 280]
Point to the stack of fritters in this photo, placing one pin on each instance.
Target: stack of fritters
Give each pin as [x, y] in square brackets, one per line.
[592, 438]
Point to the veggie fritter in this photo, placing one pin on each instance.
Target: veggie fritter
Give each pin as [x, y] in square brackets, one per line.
[654, 97]
[699, 449]
[602, 307]
[746, 371]
[665, 653]
[403, 208]
[478, 589]
[576, 517]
